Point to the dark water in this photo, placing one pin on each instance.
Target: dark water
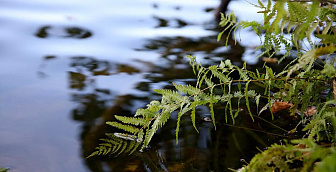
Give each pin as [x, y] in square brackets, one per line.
[66, 67]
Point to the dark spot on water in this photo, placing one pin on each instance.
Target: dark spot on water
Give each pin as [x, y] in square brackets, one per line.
[42, 33]
[63, 32]
[156, 6]
[181, 23]
[77, 80]
[49, 57]
[162, 22]
[209, 9]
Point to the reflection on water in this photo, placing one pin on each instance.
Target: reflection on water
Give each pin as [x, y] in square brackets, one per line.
[66, 32]
[207, 150]
[106, 63]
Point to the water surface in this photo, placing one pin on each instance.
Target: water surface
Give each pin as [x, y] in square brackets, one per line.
[66, 67]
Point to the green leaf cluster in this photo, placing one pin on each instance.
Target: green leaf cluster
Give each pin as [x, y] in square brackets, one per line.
[285, 157]
[3, 169]
[308, 82]
[287, 24]
[116, 143]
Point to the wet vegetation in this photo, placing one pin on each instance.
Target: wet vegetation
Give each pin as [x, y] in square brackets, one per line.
[220, 90]
[214, 136]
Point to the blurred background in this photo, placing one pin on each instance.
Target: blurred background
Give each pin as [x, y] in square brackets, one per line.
[68, 66]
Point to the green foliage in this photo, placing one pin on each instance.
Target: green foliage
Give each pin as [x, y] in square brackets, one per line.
[304, 85]
[307, 83]
[287, 157]
[328, 164]
[117, 143]
[302, 19]
[3, 169]
[322, 126]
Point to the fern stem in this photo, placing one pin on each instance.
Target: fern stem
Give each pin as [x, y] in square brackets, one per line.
[246, 128]
[257, 80]
[270, 123]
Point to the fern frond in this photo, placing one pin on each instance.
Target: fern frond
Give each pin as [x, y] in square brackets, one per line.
[184, 109]
[257, 99]
[219, 75]
[158, 123]
[212, 112]
[305, 62]
[238, 94]
[280, 12]
[242, 74]
[152, 108]
[209, 83]
[228, 21]
[193, 114]
[127, 128]
[146, 113]
[327, 39]
[297, 11]
[214, 84]
[111, 145]
[135, 147]
[187, 89]
[328, 13]
[247, 100]
[170, 95]
[130, 146]
[131, 120]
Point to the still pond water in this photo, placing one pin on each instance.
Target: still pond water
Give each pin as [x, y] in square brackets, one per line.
[68, 66]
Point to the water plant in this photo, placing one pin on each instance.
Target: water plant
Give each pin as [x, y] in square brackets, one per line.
[302, 31]
[3, 169]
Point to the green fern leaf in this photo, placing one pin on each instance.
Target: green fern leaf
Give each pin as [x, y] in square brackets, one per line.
[329, 70]
[193, 114]
[131, 120]
[209, 83]
[307, 94]
[279, 6]
[326, 29]
[219, 75]
[187, 89]
[184, 109]
[146, 113]
[304, 62]
[212, 114]
[297, 11]
[327, 39]
[229, 102]
[200, 81]
[243, 75]
[135, 148]
[158, 123]
[257, 99]
[129, 147]
[170, 95]
[247, 100]
[290, 25]
[127, 128]
[238, 94]
[117, 147]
